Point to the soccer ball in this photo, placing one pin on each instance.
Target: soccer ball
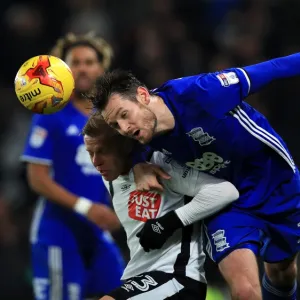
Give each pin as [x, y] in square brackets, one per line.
[44, 84]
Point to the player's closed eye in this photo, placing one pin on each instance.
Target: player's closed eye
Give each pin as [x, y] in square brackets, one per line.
[124, 114]
[114, 125]
[102, 151]
[90, 153]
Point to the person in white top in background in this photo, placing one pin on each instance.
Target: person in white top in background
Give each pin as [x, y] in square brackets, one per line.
[175, 270]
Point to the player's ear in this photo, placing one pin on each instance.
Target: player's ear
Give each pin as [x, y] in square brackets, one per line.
[143, 95]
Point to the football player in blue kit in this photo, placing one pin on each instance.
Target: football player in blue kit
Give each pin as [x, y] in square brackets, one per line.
[203, 121]
[73, 254]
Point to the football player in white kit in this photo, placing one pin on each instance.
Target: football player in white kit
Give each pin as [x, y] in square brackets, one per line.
[176, 271]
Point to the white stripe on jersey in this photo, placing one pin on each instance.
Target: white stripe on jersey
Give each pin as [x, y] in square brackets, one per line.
[36, 221]
[55, 273]
[164, 291]
[261, 134]
[247, 78]
[208, 242]
[269, 136]
[37, 160]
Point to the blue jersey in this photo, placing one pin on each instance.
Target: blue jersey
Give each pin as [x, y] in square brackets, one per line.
[220, 134]
[56, 140]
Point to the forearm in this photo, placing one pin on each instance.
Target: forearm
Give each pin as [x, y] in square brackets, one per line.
[52, 191]
[207, 202]
[263, 73]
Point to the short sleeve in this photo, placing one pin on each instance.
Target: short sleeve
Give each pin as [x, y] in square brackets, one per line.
[39, 143]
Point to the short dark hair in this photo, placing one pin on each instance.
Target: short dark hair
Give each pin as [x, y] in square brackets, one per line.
[117, 81]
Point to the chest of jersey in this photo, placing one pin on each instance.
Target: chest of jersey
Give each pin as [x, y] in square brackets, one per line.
[219, 146]
[135, 207]
[69, 148]
[205, 144]
[72, 165]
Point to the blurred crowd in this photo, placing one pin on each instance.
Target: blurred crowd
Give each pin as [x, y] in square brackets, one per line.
[157, 40]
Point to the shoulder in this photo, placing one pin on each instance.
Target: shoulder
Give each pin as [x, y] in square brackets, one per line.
[179, 84]
[47, 120]
[186, 95]
[170, 165]
[158, 158]
[68, 110]
[56, 120]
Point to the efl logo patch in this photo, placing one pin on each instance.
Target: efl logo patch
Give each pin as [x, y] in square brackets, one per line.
[228, 79]
[143, 206]
[38, 137]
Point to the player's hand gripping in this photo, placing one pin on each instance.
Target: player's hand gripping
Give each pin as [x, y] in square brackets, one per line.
[146, 177]
[104, 217]
[156, 231]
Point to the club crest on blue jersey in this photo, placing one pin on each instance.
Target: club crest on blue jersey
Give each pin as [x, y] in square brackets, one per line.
[198, 135]
[220, 240]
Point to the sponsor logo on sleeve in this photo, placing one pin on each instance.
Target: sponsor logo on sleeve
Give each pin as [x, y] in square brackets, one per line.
[228, 79]
[38, 137]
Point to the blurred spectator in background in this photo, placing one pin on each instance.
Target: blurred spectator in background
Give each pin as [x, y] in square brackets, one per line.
[73, 256]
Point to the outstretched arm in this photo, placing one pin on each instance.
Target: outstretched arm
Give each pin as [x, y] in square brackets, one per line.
[263, 73]
[220, 92]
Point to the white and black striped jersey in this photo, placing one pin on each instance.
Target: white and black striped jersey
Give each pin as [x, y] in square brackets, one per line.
[183, 252]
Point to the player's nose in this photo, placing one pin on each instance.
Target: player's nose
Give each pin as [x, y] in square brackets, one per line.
[124, 127]
[97, 160]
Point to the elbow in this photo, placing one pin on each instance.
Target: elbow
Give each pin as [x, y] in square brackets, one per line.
[34, 183]
[35, 179]
[230, 193]
[31, 179]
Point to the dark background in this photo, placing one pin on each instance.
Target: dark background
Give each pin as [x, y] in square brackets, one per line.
[157, 40]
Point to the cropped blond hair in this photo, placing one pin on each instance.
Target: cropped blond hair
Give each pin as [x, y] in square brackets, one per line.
[103, 48]
[96, 127]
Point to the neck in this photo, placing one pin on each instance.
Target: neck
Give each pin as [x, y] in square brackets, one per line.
[125, 171]
[165, 118]
[127, 165]
[82, 104]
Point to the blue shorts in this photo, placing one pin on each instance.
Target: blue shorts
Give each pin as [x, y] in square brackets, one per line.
[68, 274]
[271, 229]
